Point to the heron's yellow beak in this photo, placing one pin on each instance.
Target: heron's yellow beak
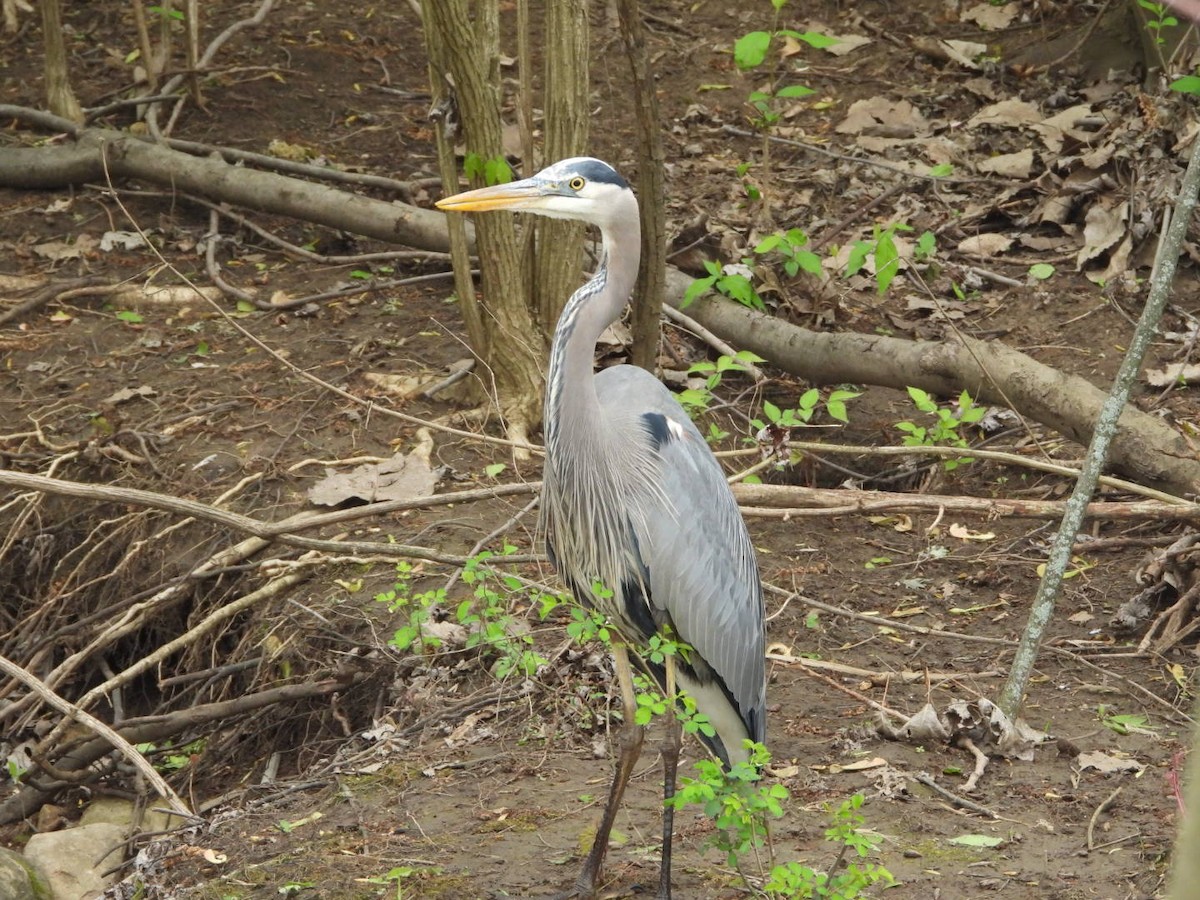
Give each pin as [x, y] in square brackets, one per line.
[515, 195]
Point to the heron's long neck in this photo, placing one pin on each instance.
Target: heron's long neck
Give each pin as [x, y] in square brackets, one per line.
[570, 393]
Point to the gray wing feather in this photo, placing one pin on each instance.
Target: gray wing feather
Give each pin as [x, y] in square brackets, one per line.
[695, 546]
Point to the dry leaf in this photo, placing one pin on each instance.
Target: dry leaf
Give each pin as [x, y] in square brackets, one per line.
[1011, 165]
[1105, 764]
[126, 394]
[1007, 114]
[962, 532]
[1173, 373]
[121, 240]
[398, 478]
[883, 118]
[964, 52]
[1062, 125]
[846, 43]
[990, 17]
[1104, 227]
[405, 387]
[985, 244]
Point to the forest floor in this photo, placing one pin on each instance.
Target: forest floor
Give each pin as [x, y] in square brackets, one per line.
[433, 772]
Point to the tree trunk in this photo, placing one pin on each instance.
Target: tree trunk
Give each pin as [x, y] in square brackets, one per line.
[515, 353]
[652, 277]
[565, 127]
[59, 96]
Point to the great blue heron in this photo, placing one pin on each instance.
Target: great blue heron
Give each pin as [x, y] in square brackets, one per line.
[639, 521]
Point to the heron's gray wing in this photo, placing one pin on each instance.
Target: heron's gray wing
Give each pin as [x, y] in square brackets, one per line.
[695, 547]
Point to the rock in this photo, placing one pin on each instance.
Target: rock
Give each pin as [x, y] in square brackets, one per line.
[72, 860]
[19, 880]
[120, 812]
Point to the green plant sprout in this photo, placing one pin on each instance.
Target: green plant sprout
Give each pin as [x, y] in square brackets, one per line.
[843, 880]
[806, 407]
[742, 806]
[493, 171]
[486, 615]
[696, 400]
[1126, 723]
[1160, 21]
[945, 430]
[790, 245]
[733, 281]
[882, 249]
[750, 51]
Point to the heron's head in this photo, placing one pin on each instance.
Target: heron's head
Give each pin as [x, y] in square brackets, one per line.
[579, 188]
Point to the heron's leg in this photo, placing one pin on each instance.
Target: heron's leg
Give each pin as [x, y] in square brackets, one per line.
[631, 747]
[670, 756]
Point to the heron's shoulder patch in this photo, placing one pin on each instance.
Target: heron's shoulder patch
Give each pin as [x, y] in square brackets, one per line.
[661, 429]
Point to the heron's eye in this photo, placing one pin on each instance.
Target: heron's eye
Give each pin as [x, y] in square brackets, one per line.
[576, 183]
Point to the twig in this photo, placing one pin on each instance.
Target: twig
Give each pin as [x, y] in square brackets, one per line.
[203, 62]
[1108, 801]
[689, 324]
[271, 589]
[487, 538]
[981, 762]
[899, 625]
[797, 501]
[211, 240]
[71, 712]
[877, 678]
[996, 456]
[954, 798]
[862, 161]
[283, 531]
[47, 294]
[459, 371]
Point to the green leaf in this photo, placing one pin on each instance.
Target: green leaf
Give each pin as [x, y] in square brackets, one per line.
[812, 38]
[497, 171]
[887, 261]
[921, 399]
[1188, 84]
[698, 288]
[769, 243]
[794, 90]
[858, 255]
[1041, 271]
[771, 411]
[941, 171]
[361, 274]
[494, 469]
[751, 49]
[979, 841]
[926, 245]
[808, 261]
[127, 315]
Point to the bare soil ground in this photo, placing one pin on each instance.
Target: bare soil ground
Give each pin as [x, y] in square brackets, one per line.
[477, 787]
